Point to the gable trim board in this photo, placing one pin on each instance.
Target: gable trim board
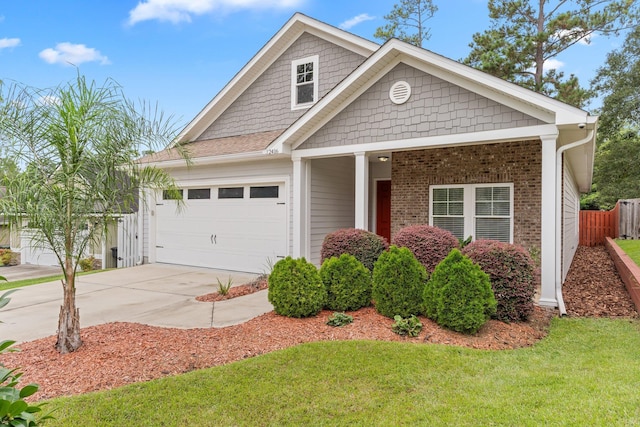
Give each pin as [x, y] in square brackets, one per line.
[329, 174]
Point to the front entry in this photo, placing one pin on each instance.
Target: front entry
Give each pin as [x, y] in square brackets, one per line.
[383, 209]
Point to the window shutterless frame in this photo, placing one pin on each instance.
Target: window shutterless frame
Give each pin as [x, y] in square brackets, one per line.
[482, 211]
[304, 82]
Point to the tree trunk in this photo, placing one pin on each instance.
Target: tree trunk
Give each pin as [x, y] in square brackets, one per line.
[69, 320]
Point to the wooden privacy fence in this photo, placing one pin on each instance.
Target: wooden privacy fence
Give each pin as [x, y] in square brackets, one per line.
[629, 219]
[623, 221]
[596, 225]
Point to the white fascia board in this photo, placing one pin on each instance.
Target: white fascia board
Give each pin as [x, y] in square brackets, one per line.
[472, 138]
[279, 43]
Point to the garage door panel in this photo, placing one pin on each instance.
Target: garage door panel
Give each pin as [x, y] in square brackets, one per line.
[235, 234]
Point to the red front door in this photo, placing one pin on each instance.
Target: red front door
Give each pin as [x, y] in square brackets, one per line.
[383, 209]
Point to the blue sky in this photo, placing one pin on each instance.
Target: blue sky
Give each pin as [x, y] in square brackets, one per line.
[180, 53]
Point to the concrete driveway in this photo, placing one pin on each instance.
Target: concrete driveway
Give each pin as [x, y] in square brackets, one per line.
[153, 294]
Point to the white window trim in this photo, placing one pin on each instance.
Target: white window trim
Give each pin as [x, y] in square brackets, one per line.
[294, 94]
[469, 202]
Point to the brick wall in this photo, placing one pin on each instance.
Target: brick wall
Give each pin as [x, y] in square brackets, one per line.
[520, 163]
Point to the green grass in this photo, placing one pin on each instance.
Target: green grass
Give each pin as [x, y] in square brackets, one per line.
[631, 248]
[586, 372]
[36, 281]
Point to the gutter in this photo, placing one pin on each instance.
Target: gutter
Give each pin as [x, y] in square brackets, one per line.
[140, 235]
[561, 307]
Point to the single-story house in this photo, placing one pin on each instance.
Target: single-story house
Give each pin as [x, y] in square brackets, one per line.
[324, 130]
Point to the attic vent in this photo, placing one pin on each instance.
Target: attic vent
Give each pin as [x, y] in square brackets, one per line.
[400, 92]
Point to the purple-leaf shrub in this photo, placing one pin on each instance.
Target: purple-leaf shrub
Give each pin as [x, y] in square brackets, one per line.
[511, 271]
[364, 245]
[429, 245]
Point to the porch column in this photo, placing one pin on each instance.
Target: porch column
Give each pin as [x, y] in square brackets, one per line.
[362, 191]
[548, 255]
[300, 211]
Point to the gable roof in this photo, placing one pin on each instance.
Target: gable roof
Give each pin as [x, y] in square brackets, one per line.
[283, 39]
[395, 51]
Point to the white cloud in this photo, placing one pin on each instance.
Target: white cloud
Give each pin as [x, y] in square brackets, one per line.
[176, 11]
[6, 43]
[552, 64]
[349, 23]
[568, 33]
[49, 100]
[72, 54]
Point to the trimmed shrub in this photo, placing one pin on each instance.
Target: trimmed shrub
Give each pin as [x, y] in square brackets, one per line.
[458, 296]
[295, 288]
[5, 256]
[511, 271]
[429, 245]
[348, 283]
[398, 283]
[364, 245]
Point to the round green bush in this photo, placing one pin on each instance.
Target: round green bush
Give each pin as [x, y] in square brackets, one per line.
[429, 245]
[348, 283]
[362, 244]
[458, 295]
[511, 271]
[398, 283]
[295, 288]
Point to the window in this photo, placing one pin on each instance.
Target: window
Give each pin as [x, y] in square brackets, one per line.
[172, 195]
[198, 193]
[483, 211]
[304, 82]
[270, 192]
[231, 193]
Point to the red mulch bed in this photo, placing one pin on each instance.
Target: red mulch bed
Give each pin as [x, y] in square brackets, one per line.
[116, 354]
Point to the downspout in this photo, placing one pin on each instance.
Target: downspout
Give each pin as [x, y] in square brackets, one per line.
[561, 307]
[140, 236]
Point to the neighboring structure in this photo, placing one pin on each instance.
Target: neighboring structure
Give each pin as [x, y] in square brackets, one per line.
[323, 130]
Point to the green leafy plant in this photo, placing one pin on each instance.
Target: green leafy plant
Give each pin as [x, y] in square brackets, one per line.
[339, 319]
[14, 410]
[348, 283]
[295, 288]
[398, 283]
[458, 295]
[410, 326]
[223, 288]
[87, 264]
[5, 256]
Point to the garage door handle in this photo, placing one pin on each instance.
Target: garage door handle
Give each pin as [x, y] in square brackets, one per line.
[214, 239]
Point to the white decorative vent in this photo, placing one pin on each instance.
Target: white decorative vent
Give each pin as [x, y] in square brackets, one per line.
[400, 92]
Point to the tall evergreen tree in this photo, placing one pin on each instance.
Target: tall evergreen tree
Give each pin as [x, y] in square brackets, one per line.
[407, 22]
[526, 34]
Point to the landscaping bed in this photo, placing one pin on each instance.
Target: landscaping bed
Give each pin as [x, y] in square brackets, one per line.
[116, 354]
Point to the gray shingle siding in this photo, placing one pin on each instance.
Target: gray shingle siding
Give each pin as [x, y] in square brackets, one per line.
[266, 104]
[435, 108]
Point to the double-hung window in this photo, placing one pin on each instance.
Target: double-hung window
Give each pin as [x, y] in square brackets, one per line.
[304, 82]
[482, 211]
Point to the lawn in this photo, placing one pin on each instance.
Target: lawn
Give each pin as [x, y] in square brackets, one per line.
[631, 247]
[586, 372]
[36, 281]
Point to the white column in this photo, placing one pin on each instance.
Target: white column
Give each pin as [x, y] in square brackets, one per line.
[362, 191]
[300, 223]
[548, 225]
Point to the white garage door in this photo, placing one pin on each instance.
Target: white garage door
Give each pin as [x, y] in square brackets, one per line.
[240, 227]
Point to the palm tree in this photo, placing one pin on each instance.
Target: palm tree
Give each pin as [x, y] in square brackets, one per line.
[79, 142]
